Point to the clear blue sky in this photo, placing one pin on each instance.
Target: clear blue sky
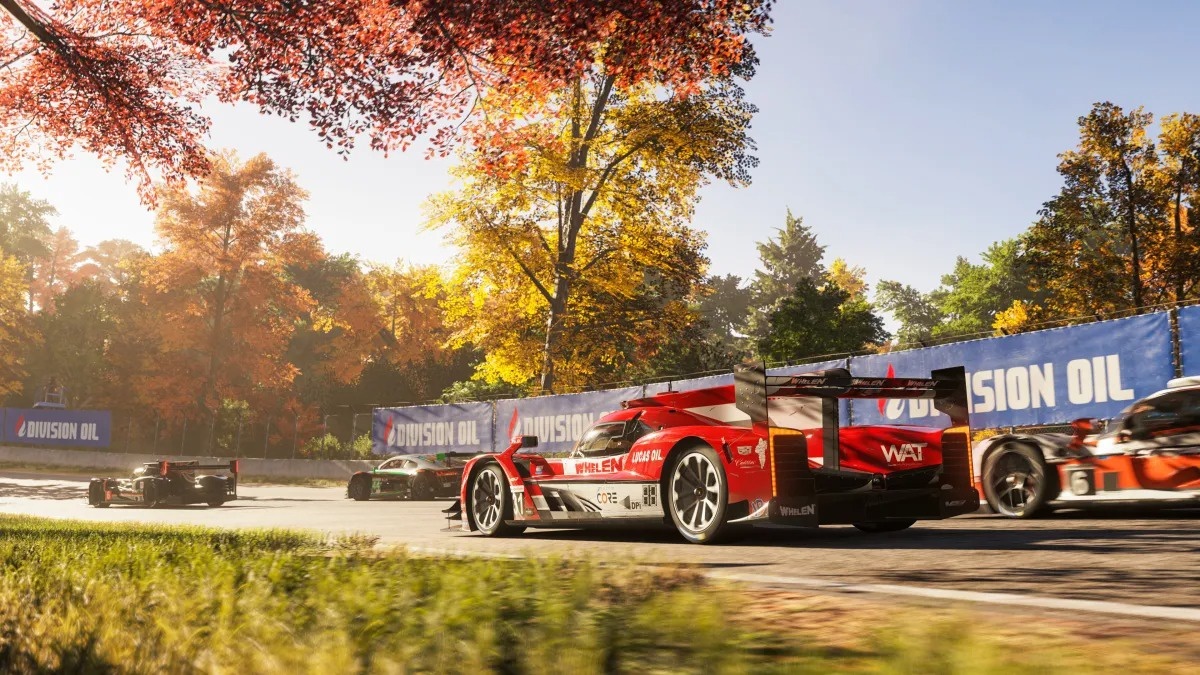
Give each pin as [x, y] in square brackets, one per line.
[905, 134]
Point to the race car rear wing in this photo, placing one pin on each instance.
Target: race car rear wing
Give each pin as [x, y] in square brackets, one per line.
[754, 389]
[165, 465]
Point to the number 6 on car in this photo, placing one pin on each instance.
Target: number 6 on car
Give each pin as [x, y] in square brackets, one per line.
[713, 462]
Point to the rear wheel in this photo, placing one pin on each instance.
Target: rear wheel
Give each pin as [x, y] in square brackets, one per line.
[697, 496]
[360, 487]
[422, 487]
[1016, 481]
[491, 503]
[885, 526]
[151, 493]
[216, 502]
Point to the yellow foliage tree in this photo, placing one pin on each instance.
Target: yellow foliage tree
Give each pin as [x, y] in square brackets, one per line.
[16, 328]
[573, 223]
[408, 299]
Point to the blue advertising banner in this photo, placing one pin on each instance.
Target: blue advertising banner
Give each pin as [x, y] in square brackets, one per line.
[557, 421]
[1044, 377]
[49, 426]
[1189, 339]
[430, 429]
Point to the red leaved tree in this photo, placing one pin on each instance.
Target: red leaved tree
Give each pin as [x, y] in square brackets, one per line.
[122, 78]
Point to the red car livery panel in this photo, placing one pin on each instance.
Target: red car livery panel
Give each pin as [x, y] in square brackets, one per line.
[768, 449]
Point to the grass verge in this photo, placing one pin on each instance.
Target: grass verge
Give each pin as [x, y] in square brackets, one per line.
[87, 597]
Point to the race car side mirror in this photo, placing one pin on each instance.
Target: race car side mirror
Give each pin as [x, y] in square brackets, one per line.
[529, 441]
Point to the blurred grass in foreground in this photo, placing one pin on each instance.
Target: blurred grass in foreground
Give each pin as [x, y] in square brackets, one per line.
[86, 597]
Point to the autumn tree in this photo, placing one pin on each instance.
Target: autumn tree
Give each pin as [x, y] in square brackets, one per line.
[15, 330]
[24, 223]
[586, 199]
[408, 299]
[225, 307]
[53, 271]
[121, 78]
[109, 263]
[335, 335]
[74, 339]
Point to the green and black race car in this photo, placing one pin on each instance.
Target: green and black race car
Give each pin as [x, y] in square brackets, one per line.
[407, 477]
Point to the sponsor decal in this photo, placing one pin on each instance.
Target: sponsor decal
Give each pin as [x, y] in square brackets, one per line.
[580, 466]
[761, 451]
[628, 503]
[55, 431]
[957, 502]
[758, 504]
[1088, 380]
[640, 456]
[905, 452]
[789, 511]
[747, 463]
[605, 497]
[426, 434]
[650, 495]
[745, 449]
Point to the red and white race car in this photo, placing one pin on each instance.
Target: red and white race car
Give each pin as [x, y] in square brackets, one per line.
[767, 449]
[1148, 455]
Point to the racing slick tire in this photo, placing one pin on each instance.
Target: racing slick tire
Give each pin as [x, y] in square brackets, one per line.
[1017, 482]
[697, 496]
[884, 526]
[360, 487]
[491, 503]
[214, 488]
[151, 492]
[96, 494]
[422, 488]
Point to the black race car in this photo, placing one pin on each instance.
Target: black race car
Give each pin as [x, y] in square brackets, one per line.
[168, 482]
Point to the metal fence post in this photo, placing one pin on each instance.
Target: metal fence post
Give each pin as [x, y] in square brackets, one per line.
[183, 439]
[237, 447]
[295, 432]
[266, 437]
[212, 431]
[128, 433]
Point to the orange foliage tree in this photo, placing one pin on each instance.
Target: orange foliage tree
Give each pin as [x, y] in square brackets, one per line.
[120, 78]
[224, 307]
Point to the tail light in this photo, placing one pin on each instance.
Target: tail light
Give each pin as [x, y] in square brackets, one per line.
[162, 468]
[956, 455]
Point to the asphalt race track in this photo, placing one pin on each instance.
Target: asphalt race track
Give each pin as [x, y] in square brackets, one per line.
[1144, 559]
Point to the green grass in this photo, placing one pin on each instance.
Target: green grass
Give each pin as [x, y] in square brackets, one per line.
[87, 597]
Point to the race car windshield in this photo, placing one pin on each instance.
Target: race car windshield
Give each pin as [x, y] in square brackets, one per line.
[610, 438]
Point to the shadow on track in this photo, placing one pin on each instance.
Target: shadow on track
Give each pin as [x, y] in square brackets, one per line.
[1104, 536]
[58, 491]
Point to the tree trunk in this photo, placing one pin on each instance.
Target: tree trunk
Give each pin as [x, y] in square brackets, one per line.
[1131, 224]
[1178, 243]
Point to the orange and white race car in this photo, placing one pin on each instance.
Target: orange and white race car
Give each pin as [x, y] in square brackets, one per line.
[1149, 454]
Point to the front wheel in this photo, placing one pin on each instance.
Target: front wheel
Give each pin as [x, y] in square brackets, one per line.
[214, 503]
[360, 487]
[697, 496]
[1016, 481]
[885, 526]
[491, 503]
